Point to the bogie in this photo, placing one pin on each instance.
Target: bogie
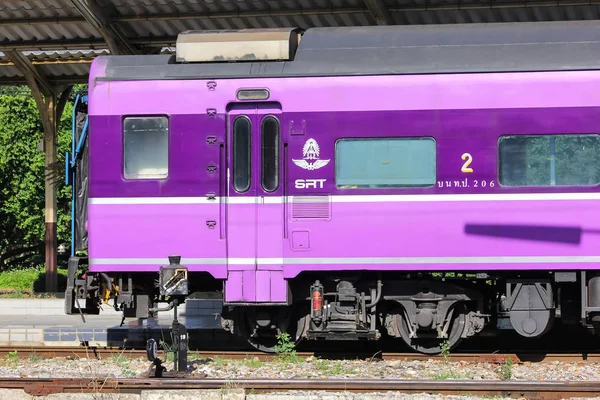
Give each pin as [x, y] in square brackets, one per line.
[427, 312]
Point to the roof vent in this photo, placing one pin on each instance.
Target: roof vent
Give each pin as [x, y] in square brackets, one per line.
[237, 45]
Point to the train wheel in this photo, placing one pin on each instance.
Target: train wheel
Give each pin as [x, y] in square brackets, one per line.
[261, 326]
[429, 343]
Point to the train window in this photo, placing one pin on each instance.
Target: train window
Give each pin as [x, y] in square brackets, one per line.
[241, 154]
[549, 160]
[385, 162]
[270, 154]
[145, 147]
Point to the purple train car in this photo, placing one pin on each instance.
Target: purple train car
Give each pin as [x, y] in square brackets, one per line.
[420, 182]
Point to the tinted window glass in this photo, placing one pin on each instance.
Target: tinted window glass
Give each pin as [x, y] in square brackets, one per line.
[270, 154]
[241, 154]
[549, 160]
[146, 147]
[385, 163]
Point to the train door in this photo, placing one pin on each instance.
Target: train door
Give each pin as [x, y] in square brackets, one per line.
[255, 210]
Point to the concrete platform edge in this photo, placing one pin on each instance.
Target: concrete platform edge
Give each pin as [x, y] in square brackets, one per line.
[192, 307]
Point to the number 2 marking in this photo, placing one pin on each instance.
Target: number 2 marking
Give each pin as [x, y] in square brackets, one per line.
[465, 167]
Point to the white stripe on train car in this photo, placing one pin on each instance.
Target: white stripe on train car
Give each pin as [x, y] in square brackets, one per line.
[353, 198]
[352, 260]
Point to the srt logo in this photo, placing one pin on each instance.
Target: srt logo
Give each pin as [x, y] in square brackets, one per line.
[310, 151]
[309, 183]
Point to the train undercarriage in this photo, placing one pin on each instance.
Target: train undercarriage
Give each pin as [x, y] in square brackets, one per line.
[426, 311]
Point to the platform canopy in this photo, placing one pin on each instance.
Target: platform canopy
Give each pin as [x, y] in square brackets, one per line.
[61, 37]
[48, 45]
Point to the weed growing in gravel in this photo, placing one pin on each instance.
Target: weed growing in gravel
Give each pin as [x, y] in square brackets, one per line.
[333, 368]
[127, 371]
[169, 354]
[12, 358]
[505, 370]
[33, 357]
[219, 362]
[252, 363]
[449, 372]
[445, 347]
[120, 359]
[285, 349]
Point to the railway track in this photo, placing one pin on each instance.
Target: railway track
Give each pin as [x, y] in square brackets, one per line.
[529, 390]
[104, 352]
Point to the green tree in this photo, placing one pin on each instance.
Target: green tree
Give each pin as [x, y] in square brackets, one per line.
[22, 182]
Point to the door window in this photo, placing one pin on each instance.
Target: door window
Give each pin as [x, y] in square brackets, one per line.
[270, 154]
[242, 156]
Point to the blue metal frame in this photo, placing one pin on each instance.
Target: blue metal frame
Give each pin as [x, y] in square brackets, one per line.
[71, 162]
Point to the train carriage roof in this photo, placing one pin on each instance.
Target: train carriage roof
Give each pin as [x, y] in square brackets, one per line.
[399, 49]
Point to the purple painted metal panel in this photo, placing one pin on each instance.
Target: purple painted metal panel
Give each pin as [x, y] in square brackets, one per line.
[256, 286]
[254, 230]
[153, 230]
[300, 240]
[278, 287]
[290, 271]
[218, 271]
[464, 113]
[241, 232]
[243, 267]
[188, 159]
[137, 231]
[263, 286]
[233, 287]
[452, 229]
[249, 286]
[455, 131]
[270, 235]
[324, 94]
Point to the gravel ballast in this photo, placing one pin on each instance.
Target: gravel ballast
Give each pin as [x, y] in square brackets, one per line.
[290, 368]
[217, 368]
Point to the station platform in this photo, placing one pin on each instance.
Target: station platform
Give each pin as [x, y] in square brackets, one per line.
[42, 322]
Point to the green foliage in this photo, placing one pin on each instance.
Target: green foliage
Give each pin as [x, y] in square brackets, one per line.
[445, 347]
[28, 280]
[505, 370]
[19, 279]
[12, 358]
[252, 363]
[328, 367]
[33, 357]
[22, 174]
[285, 348]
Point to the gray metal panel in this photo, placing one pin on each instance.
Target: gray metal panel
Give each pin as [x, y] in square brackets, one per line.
[465, 48]
[450, 48]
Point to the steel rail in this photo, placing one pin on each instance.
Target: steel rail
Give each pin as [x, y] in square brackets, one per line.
[103, 352]
[528, 389]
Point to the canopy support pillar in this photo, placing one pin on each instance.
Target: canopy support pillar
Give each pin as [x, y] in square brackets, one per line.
[50, 102]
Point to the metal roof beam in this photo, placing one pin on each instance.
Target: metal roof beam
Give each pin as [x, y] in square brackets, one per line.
[94, 14]
[379, 10]
[58, 81]
[83, 44]
[52, 61]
